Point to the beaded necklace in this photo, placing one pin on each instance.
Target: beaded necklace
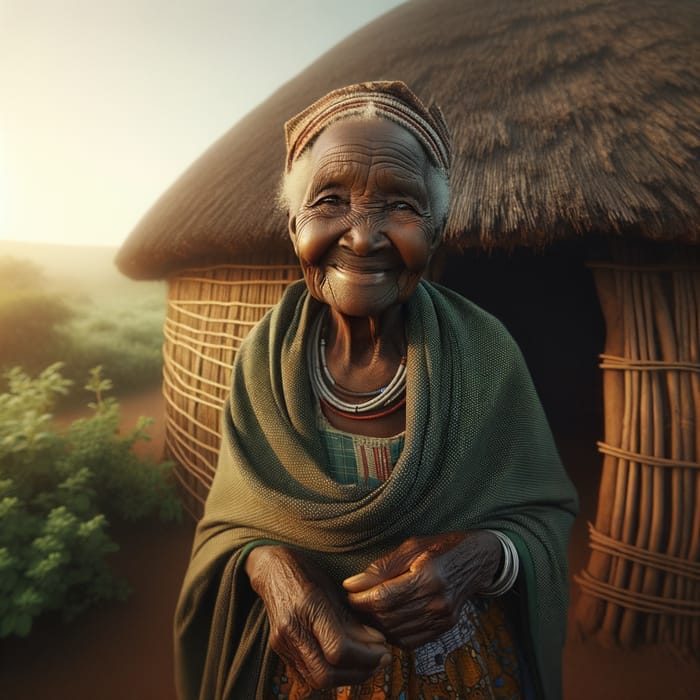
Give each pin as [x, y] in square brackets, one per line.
[379, 402]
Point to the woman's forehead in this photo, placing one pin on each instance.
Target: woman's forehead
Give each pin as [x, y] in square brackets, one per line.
[351, 147]
[361, 138]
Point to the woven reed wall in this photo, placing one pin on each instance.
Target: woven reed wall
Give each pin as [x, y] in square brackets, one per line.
[642, 582]
[210, 311]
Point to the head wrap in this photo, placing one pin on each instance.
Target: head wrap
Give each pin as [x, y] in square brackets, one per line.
[390, 99]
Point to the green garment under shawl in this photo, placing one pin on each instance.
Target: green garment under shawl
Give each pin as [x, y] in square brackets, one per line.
[478, 454]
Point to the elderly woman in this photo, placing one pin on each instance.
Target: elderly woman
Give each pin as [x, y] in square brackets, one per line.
[389, 516]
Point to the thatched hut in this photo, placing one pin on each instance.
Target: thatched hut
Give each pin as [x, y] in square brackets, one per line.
[577, 134]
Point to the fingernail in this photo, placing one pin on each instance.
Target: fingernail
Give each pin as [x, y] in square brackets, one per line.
[374, 633]
[355, 580]
[385, 660]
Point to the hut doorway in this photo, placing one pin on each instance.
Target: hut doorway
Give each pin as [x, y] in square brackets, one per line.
[549, 304]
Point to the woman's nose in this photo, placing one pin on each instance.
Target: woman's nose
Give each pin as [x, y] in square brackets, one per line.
[365, 235]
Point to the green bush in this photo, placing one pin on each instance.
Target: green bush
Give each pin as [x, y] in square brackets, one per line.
[58, 492]
[30, 316]
[126, 339]
[30, 328]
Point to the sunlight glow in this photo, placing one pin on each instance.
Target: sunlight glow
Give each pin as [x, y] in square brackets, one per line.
[106, 104]
[4, 196]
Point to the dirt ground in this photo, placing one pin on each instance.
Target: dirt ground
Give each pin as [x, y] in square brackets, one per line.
[122, 651]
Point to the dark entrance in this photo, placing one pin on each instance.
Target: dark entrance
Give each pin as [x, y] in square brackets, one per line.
[548, 302]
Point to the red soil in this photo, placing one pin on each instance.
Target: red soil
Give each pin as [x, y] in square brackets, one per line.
[122, 651]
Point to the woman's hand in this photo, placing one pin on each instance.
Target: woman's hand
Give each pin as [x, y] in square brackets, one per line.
[416, 592]
[311, 628]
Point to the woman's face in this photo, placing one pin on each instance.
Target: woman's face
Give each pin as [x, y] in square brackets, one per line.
[364, 231]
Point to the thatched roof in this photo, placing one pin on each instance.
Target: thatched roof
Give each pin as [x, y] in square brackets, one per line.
[569, 117]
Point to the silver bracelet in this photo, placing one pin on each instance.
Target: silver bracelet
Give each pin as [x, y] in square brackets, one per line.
[509, 571]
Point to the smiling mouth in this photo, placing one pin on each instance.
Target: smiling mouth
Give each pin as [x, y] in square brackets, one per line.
[365, 268]
[365, 276]
[374, 265]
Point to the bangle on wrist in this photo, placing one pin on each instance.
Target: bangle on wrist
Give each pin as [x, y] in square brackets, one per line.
[509, 571]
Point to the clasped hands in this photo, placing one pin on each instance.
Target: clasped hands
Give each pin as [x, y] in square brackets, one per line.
[334, 637]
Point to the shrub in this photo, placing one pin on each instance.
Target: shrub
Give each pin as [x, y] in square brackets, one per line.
[30, 316]
[125, 339]
[19, 274]
[58, 493]
[31, 328]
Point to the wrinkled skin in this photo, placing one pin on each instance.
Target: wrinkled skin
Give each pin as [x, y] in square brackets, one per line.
[415, 593]
[365, 230]
[311, 627]
[412, 595]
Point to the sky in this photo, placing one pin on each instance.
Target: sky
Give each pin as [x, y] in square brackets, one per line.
[104, 103]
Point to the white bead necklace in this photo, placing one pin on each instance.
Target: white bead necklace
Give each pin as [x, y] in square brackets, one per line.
[323, 383]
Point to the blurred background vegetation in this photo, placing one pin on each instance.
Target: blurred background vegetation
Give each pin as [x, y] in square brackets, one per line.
[70, 304]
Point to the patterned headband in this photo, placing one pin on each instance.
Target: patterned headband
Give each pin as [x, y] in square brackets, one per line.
[390, 99]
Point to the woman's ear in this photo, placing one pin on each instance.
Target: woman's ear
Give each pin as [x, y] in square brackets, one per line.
[292, 228]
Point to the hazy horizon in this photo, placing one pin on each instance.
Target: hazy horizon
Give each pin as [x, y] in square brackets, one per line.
[77, 266]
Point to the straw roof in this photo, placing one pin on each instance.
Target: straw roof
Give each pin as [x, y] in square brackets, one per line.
[569, 117]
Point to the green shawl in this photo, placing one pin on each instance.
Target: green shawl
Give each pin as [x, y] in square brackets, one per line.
[478, 454]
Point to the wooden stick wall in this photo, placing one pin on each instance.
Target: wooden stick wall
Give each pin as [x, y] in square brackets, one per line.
[642, 582]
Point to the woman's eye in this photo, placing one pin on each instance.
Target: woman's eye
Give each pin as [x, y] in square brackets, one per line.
[331, 199]
[401, 206]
